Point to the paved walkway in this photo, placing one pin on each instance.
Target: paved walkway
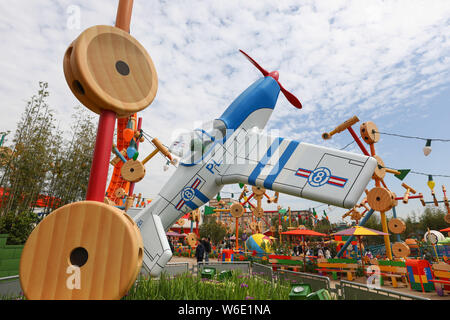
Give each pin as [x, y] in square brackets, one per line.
[430, 295]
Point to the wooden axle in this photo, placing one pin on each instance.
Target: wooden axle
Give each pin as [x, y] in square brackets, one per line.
[408, 190]
[434, 198]
[159, 148]
[445, 199]
[340, 128]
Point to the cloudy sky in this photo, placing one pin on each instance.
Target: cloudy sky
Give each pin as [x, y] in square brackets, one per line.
[384, 61]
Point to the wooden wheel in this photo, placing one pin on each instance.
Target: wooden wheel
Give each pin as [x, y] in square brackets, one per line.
[380, 199]
[447, 218]
[258, 212]
[401, 250]
[258, 191]
[396, 226]
[120, 193]
[191, 239]
[237, 210]
[369, 132]
[83, 250]
[106, 68]
[133, 171]
[380, 170]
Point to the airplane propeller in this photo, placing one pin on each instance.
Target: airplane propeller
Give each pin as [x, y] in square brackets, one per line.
[274, 74]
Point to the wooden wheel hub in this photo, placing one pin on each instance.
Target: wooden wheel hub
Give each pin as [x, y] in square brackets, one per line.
[396, 226]
[237, 210]
[380, 199]
[191, 239]
[83, 250]
[447, 218]
[258, 191]
[401, 250]
[106, 68]
[369, 132]
[258, 212]
[380, 170]
[133, 171]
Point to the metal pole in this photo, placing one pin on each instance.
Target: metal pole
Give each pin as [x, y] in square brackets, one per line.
[349, 241]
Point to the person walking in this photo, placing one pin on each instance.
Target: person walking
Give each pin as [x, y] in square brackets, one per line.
[207, 245]
[327, 253]
[199, 252]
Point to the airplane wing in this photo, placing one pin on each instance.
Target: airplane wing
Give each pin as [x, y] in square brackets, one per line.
[300, 169]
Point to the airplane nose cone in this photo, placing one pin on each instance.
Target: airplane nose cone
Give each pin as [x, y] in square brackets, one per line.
[274, 74]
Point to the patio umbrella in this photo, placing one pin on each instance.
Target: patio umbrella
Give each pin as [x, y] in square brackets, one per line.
[360, 231]
[303, 233]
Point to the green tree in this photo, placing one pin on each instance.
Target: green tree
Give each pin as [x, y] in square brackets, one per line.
[18, 226]
[25, 177]
[210, 228]
[72, 163]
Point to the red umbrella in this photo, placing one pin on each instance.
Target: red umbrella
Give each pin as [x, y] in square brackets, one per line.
[303, 233]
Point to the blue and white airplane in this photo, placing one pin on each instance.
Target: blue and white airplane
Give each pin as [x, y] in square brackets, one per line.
[233, 150]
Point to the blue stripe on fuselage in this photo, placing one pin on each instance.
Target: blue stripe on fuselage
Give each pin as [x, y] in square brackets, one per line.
[201, 196]
[281, 163]
[262, 163]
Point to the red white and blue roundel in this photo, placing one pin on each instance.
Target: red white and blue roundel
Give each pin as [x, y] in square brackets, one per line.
[320, 177]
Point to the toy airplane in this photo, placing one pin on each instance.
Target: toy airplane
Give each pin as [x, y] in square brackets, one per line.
[234, 150]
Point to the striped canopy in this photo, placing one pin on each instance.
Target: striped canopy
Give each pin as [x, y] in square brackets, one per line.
[360, 231]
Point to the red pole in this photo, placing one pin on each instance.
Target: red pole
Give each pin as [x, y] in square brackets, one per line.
[361, 146]
[100, 160]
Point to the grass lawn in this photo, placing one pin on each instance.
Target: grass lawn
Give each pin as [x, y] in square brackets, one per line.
[188, 287]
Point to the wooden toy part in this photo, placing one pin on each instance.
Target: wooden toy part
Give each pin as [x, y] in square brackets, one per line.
[195, 214]
[369, 132]
[447, 218]
[446, 199]
[260, 226]
[116, 159]
[129, 202]
[396, 226]
[380, 170]
[401, 250]
[272, 229]
[191, 239]
[108, 201]
[83, 250]
[408, 190]
[348, 123]
[258, 212]
[107, 69]
[273, 199]
[421, 200]
[280, 228]
[237, 210]
[253, 225]
[162, 148]
[133, 171]
[258, 191]
[380, 199]
[120, 193]
[181, 222]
